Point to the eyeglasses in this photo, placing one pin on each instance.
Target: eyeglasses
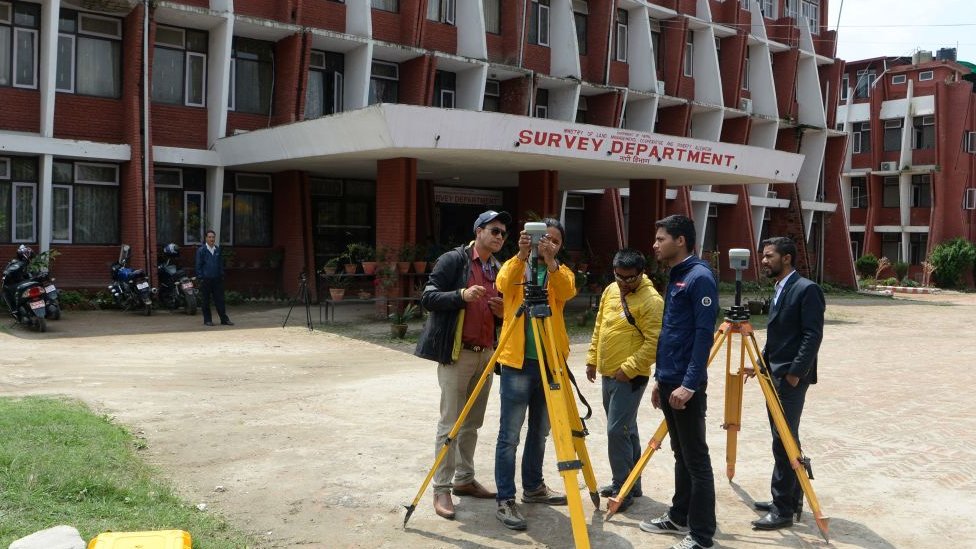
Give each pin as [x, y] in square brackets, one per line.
[495, 231]
[626, 279]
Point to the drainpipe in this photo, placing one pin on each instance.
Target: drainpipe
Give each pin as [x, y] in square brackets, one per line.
[522, 38]
[610, 37]
[150, 273]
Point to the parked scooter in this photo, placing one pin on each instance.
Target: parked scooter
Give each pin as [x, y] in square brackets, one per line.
[176, 290]
[51, 301]
[130, 287]
[23, 295]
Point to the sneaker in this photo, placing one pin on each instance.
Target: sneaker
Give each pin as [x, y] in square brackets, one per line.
[663, 525]
[688, 543]
[510, 515]
[543, 494]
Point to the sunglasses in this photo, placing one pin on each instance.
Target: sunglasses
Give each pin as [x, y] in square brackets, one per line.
[626, 279]
[495, 231]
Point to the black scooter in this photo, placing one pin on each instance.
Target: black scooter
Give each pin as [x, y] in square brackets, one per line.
[176, 290]
[24, 296]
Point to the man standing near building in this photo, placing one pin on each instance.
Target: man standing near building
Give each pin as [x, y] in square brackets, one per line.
[521, 382]
[622, 349]
[793, 336]
[680, 381]
[210, 273]
[465, 309]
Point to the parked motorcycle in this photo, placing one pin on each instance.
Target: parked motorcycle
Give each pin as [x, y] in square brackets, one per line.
[130, 287]
[23, 295]
[176, 290]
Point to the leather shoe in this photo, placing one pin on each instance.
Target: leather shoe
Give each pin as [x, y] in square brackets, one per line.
[473, 489]
[208, 323]
[444, 506]
[227, 323]
[772, 521]
[768, 506]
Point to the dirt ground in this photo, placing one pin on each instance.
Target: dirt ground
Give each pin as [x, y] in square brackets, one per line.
[318, 440]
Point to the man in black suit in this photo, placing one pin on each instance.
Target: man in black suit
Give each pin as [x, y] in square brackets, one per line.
[793, 336]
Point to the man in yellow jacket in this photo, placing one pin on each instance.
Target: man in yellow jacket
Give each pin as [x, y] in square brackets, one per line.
[623, 347]
[521, 381]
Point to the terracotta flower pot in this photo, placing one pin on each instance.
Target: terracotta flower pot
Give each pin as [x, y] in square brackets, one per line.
[369, 267]
[420, 267]
[403, 267]
[398, 331]
[350, 268]
[337, 293]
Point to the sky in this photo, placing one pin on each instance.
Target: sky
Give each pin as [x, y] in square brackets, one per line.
[875, 28]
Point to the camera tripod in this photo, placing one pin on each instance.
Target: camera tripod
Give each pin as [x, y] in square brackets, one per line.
[737, 322]
[566, 426]
[303, 296]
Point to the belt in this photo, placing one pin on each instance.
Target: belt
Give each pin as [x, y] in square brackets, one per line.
[475, 348]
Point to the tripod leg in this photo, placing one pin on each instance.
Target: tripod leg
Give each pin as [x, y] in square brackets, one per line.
[734, 381]
[652, 446]
[566, 458]
[489, 369]
[308, 309]
[786, 436]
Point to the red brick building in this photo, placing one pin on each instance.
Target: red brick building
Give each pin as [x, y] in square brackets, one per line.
[296, 127]
[910, 181]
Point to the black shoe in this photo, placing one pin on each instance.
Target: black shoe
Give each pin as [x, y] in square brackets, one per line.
[226, 323]
[768, 506]
[610, 490]
[625, 504]
[208, 323]
[772, 521]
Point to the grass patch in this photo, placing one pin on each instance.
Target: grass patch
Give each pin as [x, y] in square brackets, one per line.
[62, 464]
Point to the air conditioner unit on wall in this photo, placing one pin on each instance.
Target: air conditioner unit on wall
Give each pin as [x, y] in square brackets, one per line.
[660, 87]
[889, 166]
[745, 104]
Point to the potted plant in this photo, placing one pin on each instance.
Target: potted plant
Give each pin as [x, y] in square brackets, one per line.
[405, 257]
[360, 252]
[398, 319]
[337, 285]
[386, 279]
[332, 266]
[386, 257]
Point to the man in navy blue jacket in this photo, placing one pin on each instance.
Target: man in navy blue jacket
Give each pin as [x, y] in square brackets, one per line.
[680, 380]
[210, 273]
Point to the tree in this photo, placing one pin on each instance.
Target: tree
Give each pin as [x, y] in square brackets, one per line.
[951, 260]
[866, 265]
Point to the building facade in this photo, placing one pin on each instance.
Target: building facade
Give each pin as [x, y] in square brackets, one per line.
[296, 127]
[910, 177]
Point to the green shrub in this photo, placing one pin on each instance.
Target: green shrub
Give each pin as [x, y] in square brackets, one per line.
[951, 260]
[901, 269]
[890, 281]
[909, 283]
[866, 265]
[233, 298]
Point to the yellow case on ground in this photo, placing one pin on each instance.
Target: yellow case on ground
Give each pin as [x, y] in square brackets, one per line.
[162, 539]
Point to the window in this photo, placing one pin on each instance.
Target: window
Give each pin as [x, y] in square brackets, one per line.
[923, 134]
[539, 22]
[252, 211]
[324, 94]
[689, 61]
[493, 16]
[89, 55]
[581, 9]
[918, 243]
[85, 205]
[845, 82]
[445, 84]
[493, 99]
[810, 10]
[768, 8]
[855, 247]
[386, 5]
[620, 41]
[574, 222]
[581, 111]
[180, 205]
[863, 87]
[18, 198]
[252, 77]
[859, 193]
[892, 135]
[19, 24]
[970, 142]
[889, 196]
[180, 66]
[899, 79]
[861, 137]
[925, 75]
[656, 43]
[441, 10]
[922, 191]
[542, 103]
[792, 8]
[891, 246]
[745, 71]
[384, 83]
[969, 199]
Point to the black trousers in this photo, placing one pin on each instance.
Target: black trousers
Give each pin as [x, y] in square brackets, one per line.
[694, 484]
[785, 488]
[212, 288]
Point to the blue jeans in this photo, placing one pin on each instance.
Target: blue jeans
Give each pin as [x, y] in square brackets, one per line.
[620, 402]
[521, 391]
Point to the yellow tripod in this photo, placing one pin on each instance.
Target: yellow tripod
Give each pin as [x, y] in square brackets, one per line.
[737, 322]
[566, 425]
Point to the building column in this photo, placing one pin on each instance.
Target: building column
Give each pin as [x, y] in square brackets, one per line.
[396, 206]
[292, 224]
[537, 193]
[647, 205]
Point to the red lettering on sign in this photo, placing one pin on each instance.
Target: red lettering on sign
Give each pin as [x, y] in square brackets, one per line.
[525, 137]
[667, 153]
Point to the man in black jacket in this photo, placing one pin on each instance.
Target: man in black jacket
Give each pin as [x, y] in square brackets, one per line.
[465, 309]
[793, 335]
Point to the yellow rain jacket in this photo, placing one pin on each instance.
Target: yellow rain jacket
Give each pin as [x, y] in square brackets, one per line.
[561, 286]
[616, 343]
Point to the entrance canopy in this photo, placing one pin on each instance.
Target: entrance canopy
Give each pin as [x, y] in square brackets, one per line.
[488, 149]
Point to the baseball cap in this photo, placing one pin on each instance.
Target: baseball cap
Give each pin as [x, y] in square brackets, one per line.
[489, 216]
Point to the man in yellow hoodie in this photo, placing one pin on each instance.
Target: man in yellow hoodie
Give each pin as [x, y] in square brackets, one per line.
[623, 347]
[521, 381]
